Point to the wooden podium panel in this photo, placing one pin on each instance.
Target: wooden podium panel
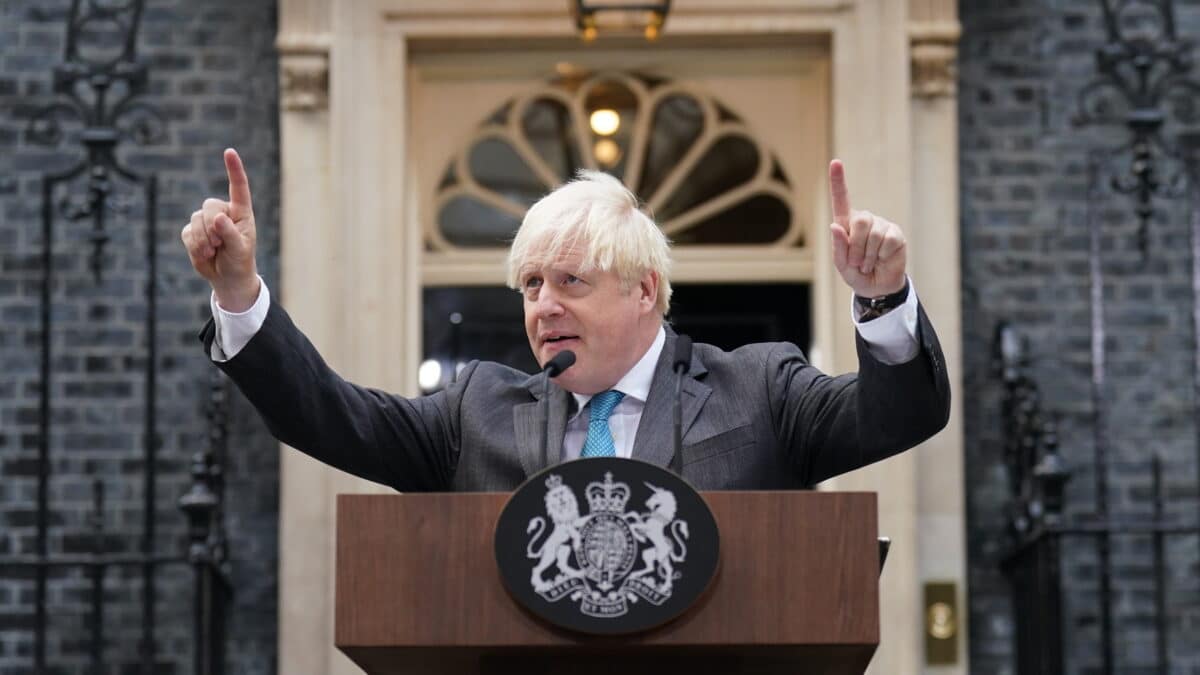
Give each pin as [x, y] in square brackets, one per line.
[796, 591]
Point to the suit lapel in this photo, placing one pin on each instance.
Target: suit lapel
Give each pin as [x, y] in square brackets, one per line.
[528, 425]
[655, 439]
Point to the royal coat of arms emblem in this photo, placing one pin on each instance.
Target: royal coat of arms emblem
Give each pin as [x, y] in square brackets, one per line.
[606, 545]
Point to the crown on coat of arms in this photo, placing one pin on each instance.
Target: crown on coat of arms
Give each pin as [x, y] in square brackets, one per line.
[607, 496]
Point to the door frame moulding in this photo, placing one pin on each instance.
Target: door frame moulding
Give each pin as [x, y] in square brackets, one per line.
[358, 275]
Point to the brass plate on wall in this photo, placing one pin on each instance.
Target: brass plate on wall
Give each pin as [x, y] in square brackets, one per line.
[942, 623]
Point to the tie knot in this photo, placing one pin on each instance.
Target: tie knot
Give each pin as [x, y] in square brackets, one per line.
[603, 403]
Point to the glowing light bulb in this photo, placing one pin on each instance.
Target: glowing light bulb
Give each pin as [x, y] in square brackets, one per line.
[429, 375]
[605, 121]
[607, 152]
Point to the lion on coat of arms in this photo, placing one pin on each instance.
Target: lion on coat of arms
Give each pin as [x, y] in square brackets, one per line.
[563, 509]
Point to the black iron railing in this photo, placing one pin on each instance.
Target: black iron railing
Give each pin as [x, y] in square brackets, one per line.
[1041, 531]
[1144, 92]
[99, 103]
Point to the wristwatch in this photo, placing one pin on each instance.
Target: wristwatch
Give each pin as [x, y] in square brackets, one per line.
[873, 308]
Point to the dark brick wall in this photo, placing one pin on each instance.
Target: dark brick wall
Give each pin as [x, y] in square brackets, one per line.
[213, 74]
[1025, 218]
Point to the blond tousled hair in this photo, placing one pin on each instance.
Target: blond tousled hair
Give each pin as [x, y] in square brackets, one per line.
[597, 214]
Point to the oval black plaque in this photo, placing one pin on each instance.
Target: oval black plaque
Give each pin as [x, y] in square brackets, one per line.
[606, 545]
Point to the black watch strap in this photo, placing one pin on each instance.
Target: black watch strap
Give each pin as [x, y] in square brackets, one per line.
[873, 308]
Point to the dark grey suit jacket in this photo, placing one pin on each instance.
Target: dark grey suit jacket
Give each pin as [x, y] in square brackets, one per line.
[759, 417]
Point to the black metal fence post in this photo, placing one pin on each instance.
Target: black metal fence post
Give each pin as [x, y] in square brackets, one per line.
[206, 552]
[1037, 476]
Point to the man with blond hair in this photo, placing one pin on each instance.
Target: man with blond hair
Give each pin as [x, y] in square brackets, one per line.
[594, 272]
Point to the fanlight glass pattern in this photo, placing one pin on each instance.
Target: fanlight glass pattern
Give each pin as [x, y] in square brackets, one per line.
[703, 175]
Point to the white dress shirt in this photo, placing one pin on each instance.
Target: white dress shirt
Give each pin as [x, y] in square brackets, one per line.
[892, 338]
[623, 422]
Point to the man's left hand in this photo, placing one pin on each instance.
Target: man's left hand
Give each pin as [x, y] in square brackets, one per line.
[868, 251]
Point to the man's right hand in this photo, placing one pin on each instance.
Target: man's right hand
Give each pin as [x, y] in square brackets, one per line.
[220, 240]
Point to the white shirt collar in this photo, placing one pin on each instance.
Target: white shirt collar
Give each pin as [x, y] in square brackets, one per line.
[636, 383]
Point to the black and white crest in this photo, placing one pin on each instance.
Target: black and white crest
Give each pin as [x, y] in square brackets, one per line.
[606, 545]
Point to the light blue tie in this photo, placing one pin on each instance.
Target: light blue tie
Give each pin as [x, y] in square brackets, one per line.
[599, 441]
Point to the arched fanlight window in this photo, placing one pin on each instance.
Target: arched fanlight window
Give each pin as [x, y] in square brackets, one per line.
[706, 178]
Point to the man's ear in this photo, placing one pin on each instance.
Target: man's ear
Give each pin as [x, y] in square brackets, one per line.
[648, 291]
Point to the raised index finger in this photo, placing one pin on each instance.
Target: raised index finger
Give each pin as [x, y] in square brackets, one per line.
[240, 205]
[839, 194]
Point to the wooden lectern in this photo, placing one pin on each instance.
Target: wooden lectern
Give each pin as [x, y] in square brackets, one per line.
[796, 591]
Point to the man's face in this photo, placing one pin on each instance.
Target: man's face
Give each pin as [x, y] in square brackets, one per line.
[608, 327]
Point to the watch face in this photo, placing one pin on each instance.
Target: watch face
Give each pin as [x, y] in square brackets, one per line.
[606, 545]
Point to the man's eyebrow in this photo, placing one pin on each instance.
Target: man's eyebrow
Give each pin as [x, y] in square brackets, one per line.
[572, 270]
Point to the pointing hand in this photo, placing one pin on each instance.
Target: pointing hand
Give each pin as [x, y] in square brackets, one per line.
[868, 251]
[220, 241]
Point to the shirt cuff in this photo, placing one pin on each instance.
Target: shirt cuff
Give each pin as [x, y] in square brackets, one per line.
[891, 338]
[234, 330]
